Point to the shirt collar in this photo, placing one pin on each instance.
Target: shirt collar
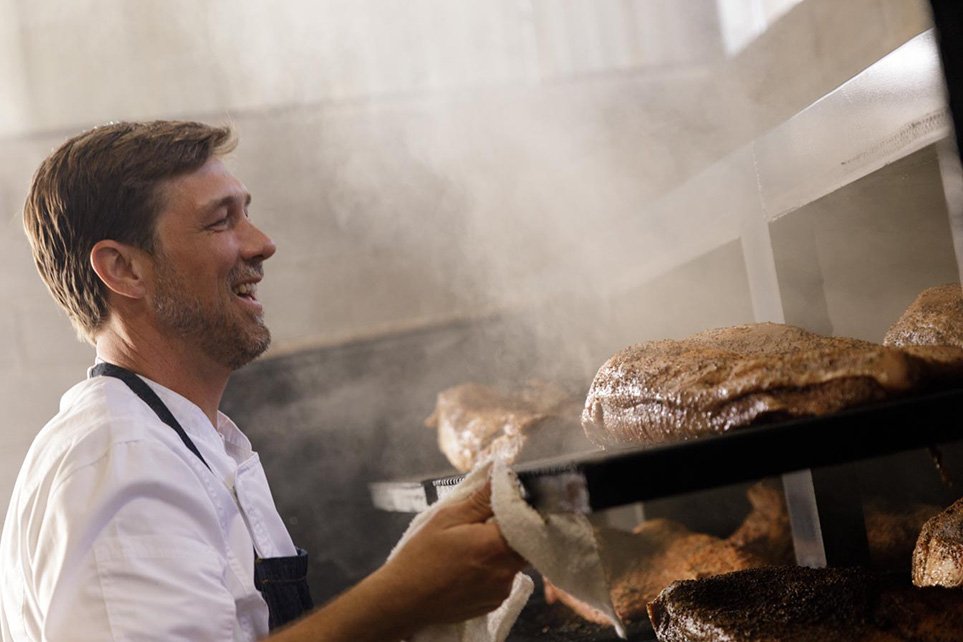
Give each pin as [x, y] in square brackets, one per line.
[192, 418]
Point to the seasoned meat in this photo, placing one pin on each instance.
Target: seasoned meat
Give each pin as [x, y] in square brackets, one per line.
[934, 318]
[797, 604]
[892, 529]
[723, 379]
[661, 551]
[766, 532]
[655, 554]
[475, 421]
[769, 339]
[938, 556]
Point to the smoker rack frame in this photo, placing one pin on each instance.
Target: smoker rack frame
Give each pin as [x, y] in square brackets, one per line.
[828, 526]
[825, 525]
[602, 481]
[948, 18]
[598, 481]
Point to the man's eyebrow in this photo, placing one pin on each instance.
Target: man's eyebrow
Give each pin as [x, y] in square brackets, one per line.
[225, 201]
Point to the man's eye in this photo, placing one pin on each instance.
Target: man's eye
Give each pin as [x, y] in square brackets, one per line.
[221, 222]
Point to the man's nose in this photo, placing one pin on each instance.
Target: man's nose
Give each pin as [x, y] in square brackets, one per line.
[258, 245]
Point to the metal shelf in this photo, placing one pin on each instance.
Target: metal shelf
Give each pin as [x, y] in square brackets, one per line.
[613, 478]
[893, 108]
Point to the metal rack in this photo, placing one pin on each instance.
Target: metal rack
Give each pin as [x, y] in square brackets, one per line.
[890, 111]
[607, 479]
[894, 108]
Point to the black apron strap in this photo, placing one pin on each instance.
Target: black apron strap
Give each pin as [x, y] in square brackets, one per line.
[148, 396]
[282, 581]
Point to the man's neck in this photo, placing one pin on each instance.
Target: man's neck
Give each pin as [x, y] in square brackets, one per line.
[167, 361]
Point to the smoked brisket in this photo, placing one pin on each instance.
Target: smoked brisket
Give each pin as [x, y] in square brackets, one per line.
[798, 604]
[722, 379]
[934, 318]
[530, 421]
[655, 554]
[938, 556]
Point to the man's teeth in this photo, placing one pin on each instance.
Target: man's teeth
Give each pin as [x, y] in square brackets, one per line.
[245, 288]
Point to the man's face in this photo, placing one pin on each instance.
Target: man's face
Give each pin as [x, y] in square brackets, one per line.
[208, 262]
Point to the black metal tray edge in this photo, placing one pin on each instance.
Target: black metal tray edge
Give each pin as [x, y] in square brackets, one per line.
[617, 477]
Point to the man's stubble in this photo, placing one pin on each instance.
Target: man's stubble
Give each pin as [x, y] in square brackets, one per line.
[225, 334]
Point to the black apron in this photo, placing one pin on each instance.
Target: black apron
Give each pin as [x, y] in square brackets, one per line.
[282, 581]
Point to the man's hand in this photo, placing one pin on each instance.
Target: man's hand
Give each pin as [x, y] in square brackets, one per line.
[457, 566]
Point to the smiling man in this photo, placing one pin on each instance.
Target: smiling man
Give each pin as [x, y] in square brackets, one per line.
[141, 511]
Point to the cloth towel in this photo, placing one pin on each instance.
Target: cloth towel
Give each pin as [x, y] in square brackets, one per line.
[562, 547]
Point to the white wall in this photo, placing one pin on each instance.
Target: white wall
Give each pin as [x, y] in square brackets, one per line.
[92, 59]
[13, 107]
[744, 20]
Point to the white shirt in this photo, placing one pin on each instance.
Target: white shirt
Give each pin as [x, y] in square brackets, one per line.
[116, 531]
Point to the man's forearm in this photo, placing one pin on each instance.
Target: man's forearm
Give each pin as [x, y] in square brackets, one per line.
[455, 567]
[374, 610]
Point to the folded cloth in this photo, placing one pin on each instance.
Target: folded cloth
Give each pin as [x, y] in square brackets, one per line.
[494, 626]
[561, 547]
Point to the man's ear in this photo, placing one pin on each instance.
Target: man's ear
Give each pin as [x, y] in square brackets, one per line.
[121, 267]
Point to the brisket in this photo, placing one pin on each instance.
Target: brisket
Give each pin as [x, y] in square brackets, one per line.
[797, 604]
[892, 529]
[727, 378]
[655, 554]
[934, 318]
[766, 532]
[660, 551]
[938, 556]
[531, 421]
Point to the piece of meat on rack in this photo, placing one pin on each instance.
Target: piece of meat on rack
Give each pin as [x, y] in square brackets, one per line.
[798, 604]
[938, 556]
[934, 318]
[892, 528]
[766, 532]
[724, 379]
[661, 551]
[655, 554]
[531, 421]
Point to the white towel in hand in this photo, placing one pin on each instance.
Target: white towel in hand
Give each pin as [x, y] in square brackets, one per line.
[494, 626]
[561, 547]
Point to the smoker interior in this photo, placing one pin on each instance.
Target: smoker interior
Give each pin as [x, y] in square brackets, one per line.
[870, 509]
[904, 479]
[842, 253]
[540, 621]
[324, 402]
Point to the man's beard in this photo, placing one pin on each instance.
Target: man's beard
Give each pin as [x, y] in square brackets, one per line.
[231, 340]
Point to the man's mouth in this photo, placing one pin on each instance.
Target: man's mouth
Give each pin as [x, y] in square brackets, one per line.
[246, 291]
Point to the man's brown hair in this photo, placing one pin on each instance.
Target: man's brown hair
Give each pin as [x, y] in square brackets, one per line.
[106, 183]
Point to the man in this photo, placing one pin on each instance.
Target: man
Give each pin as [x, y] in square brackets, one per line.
[141, 512]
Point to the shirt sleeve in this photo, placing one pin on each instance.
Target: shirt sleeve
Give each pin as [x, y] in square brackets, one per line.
[130, 548]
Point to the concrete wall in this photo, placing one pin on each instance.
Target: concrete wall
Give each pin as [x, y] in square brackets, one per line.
[414, 165]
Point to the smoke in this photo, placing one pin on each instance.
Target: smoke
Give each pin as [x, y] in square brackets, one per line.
[425, 161]
[532, 202]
